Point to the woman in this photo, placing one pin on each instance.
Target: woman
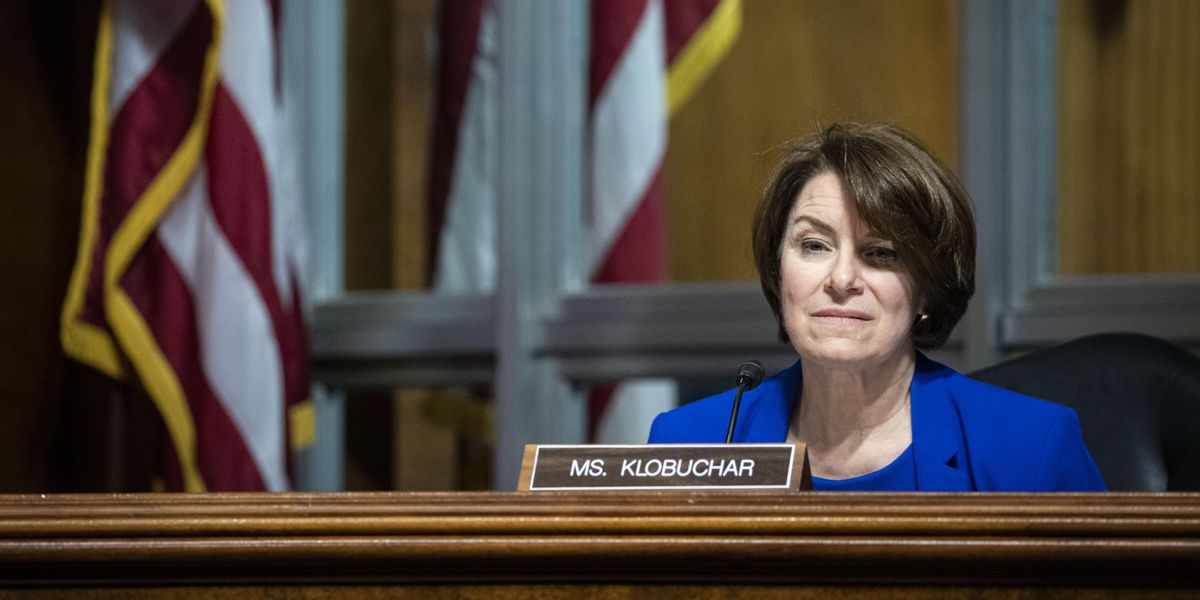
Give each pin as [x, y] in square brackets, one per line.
[865, 247]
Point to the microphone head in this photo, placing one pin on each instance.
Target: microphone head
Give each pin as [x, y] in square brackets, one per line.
[750, 374]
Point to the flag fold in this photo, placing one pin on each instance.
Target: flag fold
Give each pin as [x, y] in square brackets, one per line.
[187, 278]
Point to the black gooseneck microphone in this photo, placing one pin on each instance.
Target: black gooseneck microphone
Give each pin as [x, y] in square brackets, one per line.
[749, 375]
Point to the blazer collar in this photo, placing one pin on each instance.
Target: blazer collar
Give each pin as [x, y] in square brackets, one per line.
[937, 432]
[766, 409]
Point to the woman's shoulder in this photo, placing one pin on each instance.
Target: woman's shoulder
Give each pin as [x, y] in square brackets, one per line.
[1018, 442]
[990, 412]
[694, 422]
[762, 409]
[985, 398]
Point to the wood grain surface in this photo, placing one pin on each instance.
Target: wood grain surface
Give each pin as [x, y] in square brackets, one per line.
[1128, 137]
[968, 541]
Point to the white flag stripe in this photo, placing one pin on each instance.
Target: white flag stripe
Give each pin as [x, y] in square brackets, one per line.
[202, 332]
[239, 353]
[247, 64]
[289, 252]
[629, 139]
[467, 246]
[629, 132]
[634, 404]
[141, 31]
[248, 73]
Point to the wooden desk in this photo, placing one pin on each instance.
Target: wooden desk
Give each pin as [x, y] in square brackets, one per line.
[660, 545]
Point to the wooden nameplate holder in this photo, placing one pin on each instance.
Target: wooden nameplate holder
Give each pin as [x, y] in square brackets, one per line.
[726, 467]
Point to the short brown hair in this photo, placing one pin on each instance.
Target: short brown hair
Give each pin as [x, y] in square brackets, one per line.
[902, 193]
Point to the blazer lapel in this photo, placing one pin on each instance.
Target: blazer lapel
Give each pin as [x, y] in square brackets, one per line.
[937, 431]
[765, 409]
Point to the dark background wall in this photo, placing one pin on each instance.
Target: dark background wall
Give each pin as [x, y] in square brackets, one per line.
[55, 417]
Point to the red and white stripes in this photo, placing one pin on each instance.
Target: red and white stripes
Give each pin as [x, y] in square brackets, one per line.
[628, 127]
[462, 188]
[192, 238]
[646, 58]
[628, 139]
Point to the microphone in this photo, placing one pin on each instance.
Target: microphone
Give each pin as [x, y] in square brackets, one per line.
[749, 375]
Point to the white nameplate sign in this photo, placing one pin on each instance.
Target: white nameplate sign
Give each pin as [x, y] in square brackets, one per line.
[779, 467]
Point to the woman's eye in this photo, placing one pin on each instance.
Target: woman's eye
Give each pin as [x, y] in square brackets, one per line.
[881, 254]
[813, 246]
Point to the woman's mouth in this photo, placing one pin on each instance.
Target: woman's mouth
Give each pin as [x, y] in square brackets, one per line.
[841, 316]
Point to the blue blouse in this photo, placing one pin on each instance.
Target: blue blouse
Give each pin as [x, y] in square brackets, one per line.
[899, 476]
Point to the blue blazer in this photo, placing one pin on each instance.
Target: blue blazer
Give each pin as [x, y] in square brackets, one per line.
[967, 435]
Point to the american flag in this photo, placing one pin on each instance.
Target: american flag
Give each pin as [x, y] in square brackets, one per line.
[192, 241]
[646, 59]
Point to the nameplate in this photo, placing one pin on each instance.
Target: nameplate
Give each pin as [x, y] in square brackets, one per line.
[778, 467]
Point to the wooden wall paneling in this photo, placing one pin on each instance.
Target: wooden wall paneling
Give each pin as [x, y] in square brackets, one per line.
[1191, 120]
[1184, 152]
[1079, 181]
[367, 208]
[391, 442]
[425, 451]
[412, 94]
[41, 185]
[796, 66]
[61, 423]
[1129, 137]
[1176, 192]
[1143, 122]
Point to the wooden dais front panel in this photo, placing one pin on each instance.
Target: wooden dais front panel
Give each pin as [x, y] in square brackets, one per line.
[613, 545]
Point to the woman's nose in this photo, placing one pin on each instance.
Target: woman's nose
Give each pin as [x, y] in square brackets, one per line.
[844, 274]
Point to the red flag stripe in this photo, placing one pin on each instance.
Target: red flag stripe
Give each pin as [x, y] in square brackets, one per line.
[238, 192]
[600, 395]
[127, 160]
[144, 133]
[240, 199]
[638, 254]
[691, 40]
[252, 194]
[276, 41]
[612, 26]
[458, 31]
[699, 34]
[626, 156]
[152, 122]
[162, 296]
[191, 295]
[682, 21]
[127, 323]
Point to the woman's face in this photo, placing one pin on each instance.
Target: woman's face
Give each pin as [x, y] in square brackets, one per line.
[846, 299]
